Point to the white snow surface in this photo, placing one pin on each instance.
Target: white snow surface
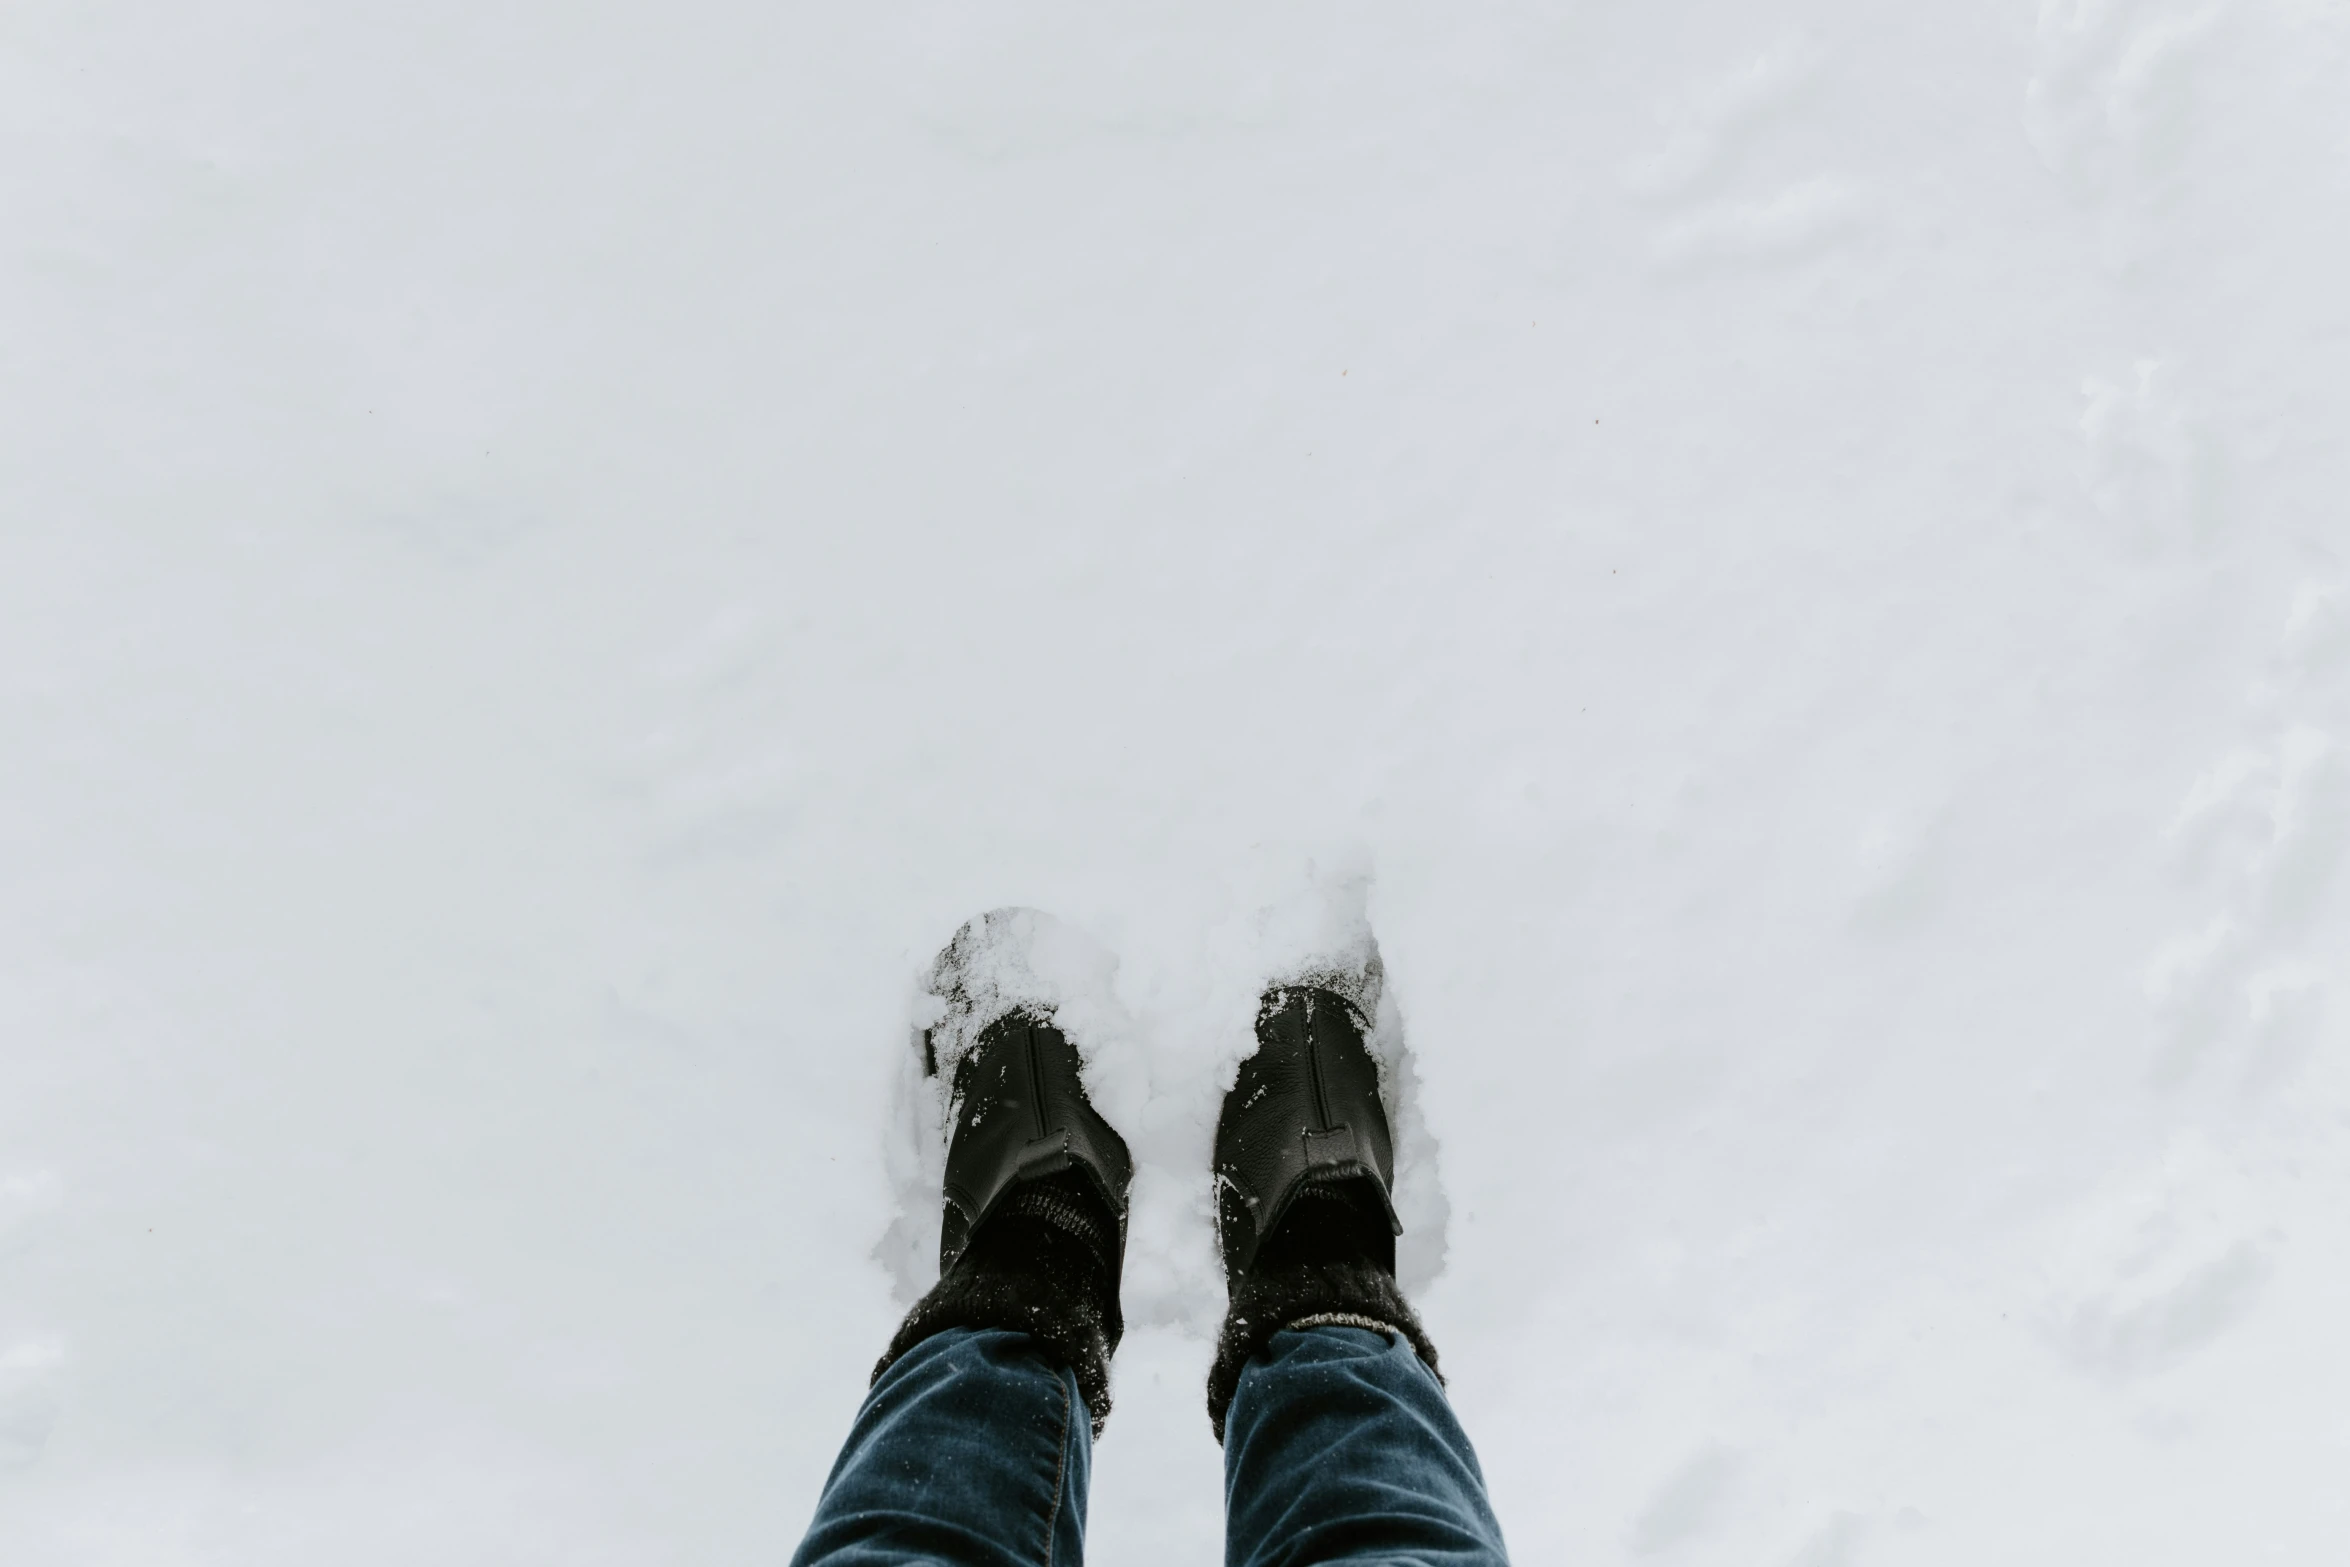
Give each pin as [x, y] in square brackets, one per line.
[1798, 554]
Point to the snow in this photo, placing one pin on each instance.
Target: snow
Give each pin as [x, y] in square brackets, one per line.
[549, 557]
[1164, 1084]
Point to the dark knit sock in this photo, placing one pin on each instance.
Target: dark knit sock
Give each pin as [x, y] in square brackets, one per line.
[1068, 1203]
[1341, 1221]
[1328, 1265]
[1043, 1264]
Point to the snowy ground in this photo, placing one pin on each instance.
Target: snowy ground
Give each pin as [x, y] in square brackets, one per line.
[549, 555]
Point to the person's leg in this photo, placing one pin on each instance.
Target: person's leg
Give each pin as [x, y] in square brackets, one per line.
[1339, 1446]
[974, 1447]
[975, 1442]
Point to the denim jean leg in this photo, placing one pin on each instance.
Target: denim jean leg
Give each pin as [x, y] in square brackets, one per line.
[1341, 1447]
[973, 1449]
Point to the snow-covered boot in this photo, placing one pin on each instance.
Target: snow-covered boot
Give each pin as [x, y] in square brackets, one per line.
[1034, 1229]
[1304, 1164]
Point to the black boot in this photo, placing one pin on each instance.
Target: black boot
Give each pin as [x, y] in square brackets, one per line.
[1304, 1161]
[1035, 1223]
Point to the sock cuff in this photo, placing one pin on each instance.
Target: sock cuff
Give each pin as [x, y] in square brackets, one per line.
[1050, 1292]
[1353, 1294]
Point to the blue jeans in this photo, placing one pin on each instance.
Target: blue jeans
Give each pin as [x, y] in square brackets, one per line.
[975, 1450]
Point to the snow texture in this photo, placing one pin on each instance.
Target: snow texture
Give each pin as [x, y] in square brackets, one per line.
[1000, 962]
[1163, 1087]
[1791, 562]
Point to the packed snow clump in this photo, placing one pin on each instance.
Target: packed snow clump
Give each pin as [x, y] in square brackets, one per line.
[1159, 1076]
[1004, 961]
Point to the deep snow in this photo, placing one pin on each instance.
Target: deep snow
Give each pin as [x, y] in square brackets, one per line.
[1164, 1085]
[550, 555]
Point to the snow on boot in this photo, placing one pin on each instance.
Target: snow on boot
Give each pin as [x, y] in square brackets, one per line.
[1023, 1117]
[1304, 1165]
[1034, 1227]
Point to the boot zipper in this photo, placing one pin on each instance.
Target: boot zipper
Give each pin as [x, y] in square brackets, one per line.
[1035, 1082]
[1314, 1072]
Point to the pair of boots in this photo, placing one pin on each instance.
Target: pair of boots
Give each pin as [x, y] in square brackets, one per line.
[1034, 1229]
